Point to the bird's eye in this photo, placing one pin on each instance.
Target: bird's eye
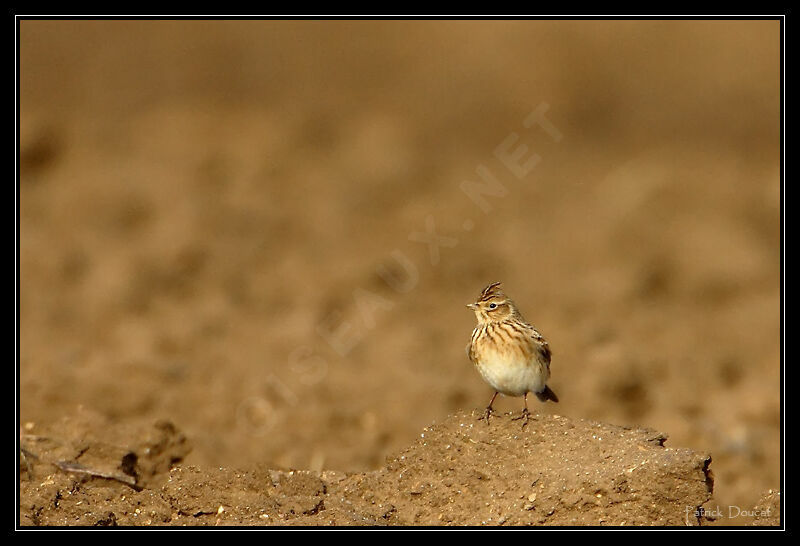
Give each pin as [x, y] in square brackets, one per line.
[492, 305]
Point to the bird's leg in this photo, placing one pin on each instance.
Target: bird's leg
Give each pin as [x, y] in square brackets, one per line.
[525, 413]
[489, 410]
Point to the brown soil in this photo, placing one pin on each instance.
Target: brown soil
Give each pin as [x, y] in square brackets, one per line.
[553, 471]
[217, 220]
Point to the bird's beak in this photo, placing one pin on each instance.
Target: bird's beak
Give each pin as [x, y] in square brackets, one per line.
[472, 306]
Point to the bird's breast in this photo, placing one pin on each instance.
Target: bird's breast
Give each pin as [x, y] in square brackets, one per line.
[511, 369]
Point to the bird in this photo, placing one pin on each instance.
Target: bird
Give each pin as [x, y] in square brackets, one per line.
[510, 354]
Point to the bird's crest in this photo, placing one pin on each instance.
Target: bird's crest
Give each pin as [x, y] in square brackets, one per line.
[491, 291]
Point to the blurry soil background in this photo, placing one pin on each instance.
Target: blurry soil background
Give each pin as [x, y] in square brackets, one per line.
[223, 226]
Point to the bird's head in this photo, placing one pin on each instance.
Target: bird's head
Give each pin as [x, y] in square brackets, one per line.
[493, 305]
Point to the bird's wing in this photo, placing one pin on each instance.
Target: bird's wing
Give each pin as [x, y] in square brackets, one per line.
[542, 345]
[544, 349]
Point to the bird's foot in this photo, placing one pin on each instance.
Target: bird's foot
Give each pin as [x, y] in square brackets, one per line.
[524, 417]
[487, 413]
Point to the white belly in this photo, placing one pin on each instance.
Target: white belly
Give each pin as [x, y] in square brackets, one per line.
[511, 374]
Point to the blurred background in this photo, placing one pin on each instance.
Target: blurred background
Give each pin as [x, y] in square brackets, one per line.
[224, 224]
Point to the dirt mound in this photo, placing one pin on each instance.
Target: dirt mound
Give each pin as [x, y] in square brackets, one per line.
[555, 471]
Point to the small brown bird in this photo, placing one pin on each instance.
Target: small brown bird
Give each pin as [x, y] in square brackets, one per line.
[509, 353]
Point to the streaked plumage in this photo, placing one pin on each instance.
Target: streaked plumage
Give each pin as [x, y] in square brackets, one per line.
[510, 354]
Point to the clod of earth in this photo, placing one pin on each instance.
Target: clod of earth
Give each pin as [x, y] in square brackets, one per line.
[555, 471]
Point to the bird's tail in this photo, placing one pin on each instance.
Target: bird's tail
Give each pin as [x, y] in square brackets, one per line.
[547, 394]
